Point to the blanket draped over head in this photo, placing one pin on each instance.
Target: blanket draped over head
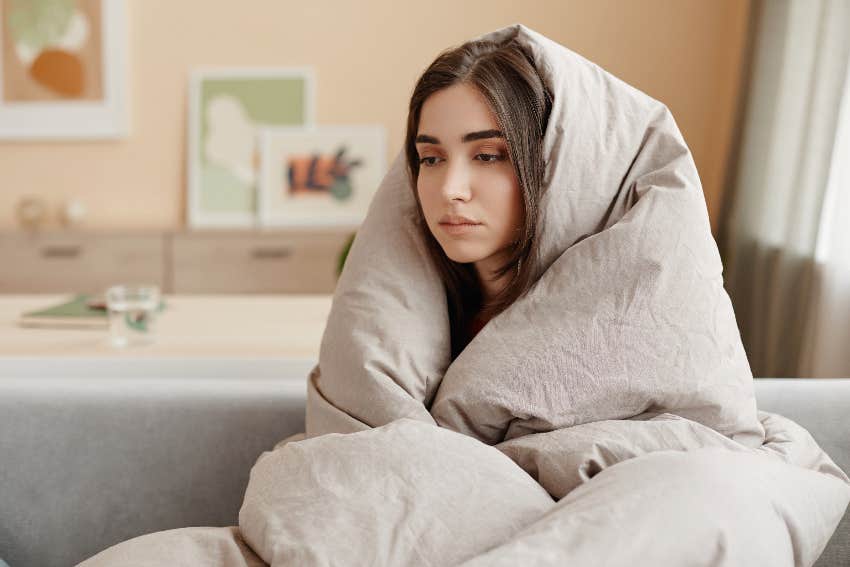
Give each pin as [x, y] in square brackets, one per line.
[607, 417]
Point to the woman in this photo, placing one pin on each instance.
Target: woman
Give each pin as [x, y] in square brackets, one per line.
[474, 149]
[608, 395]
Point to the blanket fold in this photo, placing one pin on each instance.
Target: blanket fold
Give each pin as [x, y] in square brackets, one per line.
[601, 493]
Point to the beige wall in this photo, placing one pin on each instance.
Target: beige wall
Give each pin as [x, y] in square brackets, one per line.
[367, 55]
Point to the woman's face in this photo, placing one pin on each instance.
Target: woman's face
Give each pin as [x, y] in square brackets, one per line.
[469, 191]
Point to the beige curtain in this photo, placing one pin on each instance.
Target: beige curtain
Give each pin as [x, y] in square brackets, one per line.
[787, 149]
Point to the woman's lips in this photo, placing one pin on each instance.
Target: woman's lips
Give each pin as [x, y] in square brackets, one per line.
[459, 228]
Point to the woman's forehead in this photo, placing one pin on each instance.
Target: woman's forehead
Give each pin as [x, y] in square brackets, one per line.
[450, 113]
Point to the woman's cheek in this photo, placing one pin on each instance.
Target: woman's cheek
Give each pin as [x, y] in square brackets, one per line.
[430, 209]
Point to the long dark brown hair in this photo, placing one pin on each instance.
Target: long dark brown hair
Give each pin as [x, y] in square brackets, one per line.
[507, 78]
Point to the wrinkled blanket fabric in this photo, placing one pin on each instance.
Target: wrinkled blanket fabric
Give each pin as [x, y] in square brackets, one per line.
[605, 418]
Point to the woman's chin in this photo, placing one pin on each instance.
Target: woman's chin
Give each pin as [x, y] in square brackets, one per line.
[461, 256]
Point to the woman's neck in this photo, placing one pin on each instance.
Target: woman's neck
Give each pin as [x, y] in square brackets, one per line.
[490, 285]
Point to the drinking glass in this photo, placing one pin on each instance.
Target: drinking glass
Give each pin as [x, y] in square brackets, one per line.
[132, 313]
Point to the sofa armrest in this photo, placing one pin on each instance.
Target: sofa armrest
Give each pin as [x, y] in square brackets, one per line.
[822, 406]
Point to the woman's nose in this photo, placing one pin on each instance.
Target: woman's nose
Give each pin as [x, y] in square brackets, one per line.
[456, 184]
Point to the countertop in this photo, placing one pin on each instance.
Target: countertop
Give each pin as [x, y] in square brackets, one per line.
[191, 326]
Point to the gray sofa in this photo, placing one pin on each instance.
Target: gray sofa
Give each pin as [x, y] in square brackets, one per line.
[93, 452]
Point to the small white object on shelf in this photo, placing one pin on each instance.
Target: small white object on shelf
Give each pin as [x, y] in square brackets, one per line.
[73, 212]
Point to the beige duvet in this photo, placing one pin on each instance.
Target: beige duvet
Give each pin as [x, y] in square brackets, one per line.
[606, 418]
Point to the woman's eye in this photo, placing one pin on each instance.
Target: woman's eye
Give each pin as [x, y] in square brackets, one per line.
[488, 158]
[431, 161]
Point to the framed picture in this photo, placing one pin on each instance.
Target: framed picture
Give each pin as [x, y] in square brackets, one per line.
[63, 69]
[226, 109]
[322, 176]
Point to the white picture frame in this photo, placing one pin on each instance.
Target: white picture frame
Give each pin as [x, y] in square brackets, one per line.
[362, 148]
[203, 211]
[107, 118]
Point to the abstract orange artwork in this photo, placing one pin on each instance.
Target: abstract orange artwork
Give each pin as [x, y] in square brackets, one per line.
[52, 50]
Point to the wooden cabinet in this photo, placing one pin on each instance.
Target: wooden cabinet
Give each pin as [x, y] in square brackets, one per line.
[84, 262]
[302, 261]
[256, 263]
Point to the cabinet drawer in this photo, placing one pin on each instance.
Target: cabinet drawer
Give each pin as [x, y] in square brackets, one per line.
[85, 263]
[256, 263]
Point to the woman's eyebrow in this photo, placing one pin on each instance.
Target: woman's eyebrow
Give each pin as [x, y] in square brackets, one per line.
[470, 137]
